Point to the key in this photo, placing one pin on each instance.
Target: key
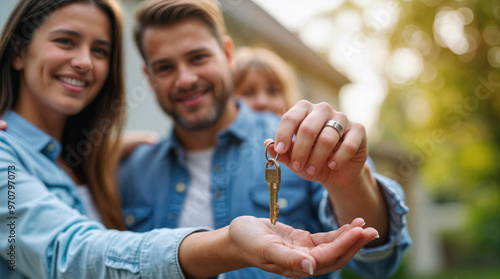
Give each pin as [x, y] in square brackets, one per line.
[273, 179]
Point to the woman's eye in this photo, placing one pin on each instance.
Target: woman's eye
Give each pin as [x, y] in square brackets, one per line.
[63, 41]
[102, 52]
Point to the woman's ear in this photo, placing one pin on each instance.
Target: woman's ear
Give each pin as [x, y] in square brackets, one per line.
[18, 57]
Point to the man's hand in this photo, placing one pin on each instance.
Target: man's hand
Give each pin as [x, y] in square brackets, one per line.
[320, 153]
[334, 156]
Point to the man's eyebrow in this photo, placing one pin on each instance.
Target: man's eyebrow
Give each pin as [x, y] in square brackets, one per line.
[189, 53]
[196, 50]
[160, 61]
[73, 33]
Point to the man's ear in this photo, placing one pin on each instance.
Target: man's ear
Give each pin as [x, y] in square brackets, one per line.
[148, 76]
[229, 50]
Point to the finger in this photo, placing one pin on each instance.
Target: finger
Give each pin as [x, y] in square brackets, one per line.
[289, 125]
[368, 235]
[328, 256]
[307, 134]
[358, 222]
[325, 144]
[328, 237]
[320, 238]
[3, 125]
[295, 261]
[353, 142]
[283, 158]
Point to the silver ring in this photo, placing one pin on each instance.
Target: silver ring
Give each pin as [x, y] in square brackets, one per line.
[335, 125]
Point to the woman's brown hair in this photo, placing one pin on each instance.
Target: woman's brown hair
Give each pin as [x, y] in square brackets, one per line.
[90, 137]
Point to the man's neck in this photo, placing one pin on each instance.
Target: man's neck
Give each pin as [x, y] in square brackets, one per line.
[206, 138]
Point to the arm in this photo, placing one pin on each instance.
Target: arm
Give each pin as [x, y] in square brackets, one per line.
[52, 239]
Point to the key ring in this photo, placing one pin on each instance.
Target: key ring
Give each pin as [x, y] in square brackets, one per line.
[275, 159]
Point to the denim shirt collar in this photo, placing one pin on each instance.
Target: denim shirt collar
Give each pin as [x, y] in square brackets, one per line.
[238, 130]
[33, 137]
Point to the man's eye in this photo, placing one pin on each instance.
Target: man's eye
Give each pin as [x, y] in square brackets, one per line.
[161, 69]
[199, 57]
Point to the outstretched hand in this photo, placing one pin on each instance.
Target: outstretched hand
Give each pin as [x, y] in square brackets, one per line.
[292, 252]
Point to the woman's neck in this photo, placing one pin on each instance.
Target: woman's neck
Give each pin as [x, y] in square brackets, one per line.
[50, 122]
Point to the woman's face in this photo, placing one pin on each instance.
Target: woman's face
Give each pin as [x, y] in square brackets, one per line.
[66, 63]
[261, 93]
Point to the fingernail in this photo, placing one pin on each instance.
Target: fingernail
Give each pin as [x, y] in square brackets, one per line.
[311, 170]
[332, 165]
[280, 147]
[296, 165]
[307, 266]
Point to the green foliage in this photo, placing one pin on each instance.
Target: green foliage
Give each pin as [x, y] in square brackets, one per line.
[449, 114]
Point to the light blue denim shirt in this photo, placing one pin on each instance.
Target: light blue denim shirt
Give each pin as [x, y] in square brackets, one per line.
[154, 182]
[44, 232]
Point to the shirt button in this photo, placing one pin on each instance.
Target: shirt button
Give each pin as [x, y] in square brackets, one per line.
[171, 216]
[283, 203]
[217, 167]
[218, 194]
[180, 187]
[129, 220]
[51, 147]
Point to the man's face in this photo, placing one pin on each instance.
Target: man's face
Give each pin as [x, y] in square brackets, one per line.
[189, 72]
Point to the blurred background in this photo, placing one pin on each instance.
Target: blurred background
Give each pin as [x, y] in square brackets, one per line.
[422, 76]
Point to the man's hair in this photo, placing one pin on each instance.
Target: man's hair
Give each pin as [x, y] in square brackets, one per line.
[154, 13]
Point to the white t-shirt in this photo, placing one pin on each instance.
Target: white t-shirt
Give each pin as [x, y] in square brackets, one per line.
[88, 203]
[197, 208]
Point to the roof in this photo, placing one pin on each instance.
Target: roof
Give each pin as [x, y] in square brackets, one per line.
[250, 21]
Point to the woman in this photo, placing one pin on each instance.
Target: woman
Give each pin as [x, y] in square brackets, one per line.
[264, 80]
[62, 95]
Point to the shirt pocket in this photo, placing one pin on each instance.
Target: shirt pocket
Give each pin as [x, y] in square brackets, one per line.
[138, 218]
[293, 199]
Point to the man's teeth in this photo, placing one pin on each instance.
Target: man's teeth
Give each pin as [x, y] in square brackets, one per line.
[73, 81]
[192, 97]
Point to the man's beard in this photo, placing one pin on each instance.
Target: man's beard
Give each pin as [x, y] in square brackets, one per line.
[210, 118]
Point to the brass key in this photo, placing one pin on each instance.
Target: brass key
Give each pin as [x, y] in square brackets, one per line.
[273, 179]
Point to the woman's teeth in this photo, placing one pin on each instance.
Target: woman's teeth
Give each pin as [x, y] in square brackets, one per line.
[73, 81]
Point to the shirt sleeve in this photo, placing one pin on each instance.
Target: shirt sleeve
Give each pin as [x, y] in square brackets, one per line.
[43, 237]
[380, 261]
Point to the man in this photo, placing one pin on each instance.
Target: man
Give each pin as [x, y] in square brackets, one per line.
[210, 168]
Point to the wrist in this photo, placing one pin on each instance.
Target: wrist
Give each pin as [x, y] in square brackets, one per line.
[206, 254]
